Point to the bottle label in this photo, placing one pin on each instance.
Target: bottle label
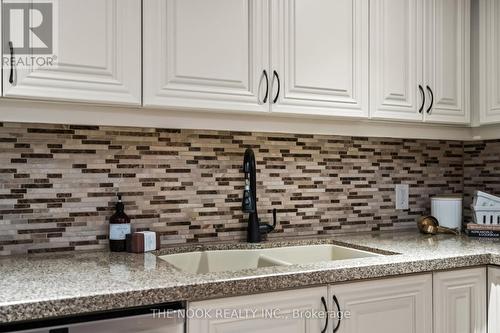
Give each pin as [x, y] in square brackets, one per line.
[118, 231]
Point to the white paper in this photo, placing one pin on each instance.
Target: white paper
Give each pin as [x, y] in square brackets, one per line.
[149, 240]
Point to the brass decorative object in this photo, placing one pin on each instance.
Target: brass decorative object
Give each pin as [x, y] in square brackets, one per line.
[430, 225]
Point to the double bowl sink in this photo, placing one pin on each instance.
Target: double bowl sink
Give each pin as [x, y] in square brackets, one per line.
[234, 260]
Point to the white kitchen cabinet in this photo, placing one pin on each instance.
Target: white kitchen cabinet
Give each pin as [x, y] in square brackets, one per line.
[274, 313]
[419, 60]
[206, 54]
[396, 62]
[386, 306]
[98, 56]
[447, 61]
[493, 299]
[460, 301]
[487, 63]
[216, 55]
[320, 57]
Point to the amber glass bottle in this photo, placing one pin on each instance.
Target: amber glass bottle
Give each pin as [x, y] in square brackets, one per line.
[119, 227]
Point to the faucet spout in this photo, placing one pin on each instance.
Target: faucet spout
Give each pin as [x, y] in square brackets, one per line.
[249, 203]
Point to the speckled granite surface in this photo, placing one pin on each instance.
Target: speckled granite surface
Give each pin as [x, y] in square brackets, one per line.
[41, 286]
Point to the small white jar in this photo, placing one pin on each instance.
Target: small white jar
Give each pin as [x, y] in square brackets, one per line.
[447, 209]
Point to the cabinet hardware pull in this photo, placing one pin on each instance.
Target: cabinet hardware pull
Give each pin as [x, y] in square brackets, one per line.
[264, 74]
[326, 311]
[275, 74]
[335, 300]
[432, 100]
[12, 61]
[423, 98]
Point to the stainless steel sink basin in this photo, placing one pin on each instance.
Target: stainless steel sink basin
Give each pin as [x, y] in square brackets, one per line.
[234, 260]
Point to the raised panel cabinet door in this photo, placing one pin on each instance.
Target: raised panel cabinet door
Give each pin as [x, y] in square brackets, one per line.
[493, 299]
[460, 301]
[206, 54]
[396, 60]
[489, 61]
[98, 56]
[275, 312]
[447, 61]
[320, 57]
[392, 305]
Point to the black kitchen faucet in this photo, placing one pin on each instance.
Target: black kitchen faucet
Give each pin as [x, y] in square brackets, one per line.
[249, 204]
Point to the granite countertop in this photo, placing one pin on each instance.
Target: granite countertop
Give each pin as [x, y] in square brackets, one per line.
[42, 286]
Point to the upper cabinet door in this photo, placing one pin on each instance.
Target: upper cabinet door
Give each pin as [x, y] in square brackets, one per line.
[206, 54]
[447, 61]
[488, 62]
[396, 83]
[320, 57]
[98, 55]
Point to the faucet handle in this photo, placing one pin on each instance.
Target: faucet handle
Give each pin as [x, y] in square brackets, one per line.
[274, 218]
[267, 228]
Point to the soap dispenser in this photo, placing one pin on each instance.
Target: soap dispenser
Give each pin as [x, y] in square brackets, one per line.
[119, 227]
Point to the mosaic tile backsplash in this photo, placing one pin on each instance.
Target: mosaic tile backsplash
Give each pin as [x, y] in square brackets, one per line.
[482, 170]
[58, 183]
